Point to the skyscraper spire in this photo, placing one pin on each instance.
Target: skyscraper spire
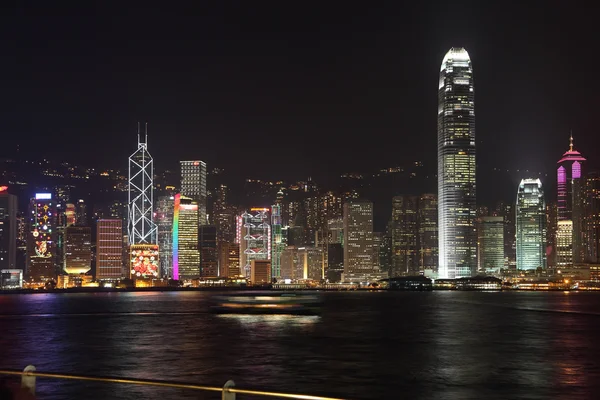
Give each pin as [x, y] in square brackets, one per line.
[571, 141]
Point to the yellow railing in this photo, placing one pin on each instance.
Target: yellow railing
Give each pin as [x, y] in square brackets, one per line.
[228, 391]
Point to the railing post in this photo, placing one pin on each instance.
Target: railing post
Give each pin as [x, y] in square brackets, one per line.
[227, 395]
[28, 382]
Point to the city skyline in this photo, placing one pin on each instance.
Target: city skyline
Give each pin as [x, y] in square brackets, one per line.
[276, 199]
[308, 207]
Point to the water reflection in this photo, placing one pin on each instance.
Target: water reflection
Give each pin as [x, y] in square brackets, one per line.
[574, 356]
[450, 345]
[482, 349]
[248, 320]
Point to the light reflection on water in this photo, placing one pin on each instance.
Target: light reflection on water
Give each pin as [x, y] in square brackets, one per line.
[282, 319]
[452, 345]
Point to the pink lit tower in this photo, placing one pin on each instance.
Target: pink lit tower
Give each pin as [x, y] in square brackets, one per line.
[570, 196]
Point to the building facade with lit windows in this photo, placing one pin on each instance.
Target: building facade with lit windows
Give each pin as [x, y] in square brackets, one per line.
[78, 250]
[530, 225]
[564, 244]
[358, 242]
[186, 257]
[40, 239]
[165, 207]
[456, 167]
[312, 263]
[551, 227]
[570, 196]
[490, 233]
[229, 260]
[255, 240]
[405, 235]
[8, 229]
[289, 264]
[277, 244]
[109, 249]
[428, 232]
[260, 272]
[591, 225]
[207, 245]
[193, 185]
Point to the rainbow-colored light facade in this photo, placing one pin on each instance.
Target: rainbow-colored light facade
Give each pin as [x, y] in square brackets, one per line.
[176, 237]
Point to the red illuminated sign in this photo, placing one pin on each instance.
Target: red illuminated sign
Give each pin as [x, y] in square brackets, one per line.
[3, 188]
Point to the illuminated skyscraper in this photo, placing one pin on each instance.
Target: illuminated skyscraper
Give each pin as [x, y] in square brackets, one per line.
[428, 232]
[456, 167]
[140, 226]
[109, 249]
[358, 240]
[591, 227]
[551, 228]
[229, 259]
[40, 239]
[277, 241]
[405, 234]
[207, 245]
[334, 268]
[570, 187]
[223, 216]
[507, 211]
[531, 225]
[165, 207]
[564, 243]
[490, 233]
[186, 257]
[78, 250]
[81, 213]
[193, 185]
[8, 229]
[255, 243]
[289, 264]
[70, 214]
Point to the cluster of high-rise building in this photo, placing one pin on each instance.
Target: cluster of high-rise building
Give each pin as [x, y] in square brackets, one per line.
[191, 233]
[549, 239]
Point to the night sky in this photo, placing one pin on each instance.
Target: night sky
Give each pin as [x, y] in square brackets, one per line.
[287, 90]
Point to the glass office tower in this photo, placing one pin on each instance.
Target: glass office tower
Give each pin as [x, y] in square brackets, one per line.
[531, 225]
[456, 167]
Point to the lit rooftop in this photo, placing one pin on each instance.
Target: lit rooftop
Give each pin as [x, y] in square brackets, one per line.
[455, 54]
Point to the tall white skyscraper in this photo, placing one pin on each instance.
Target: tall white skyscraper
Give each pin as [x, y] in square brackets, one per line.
[193, 185]
[456, 167]
[140, 224]
[531, 225]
